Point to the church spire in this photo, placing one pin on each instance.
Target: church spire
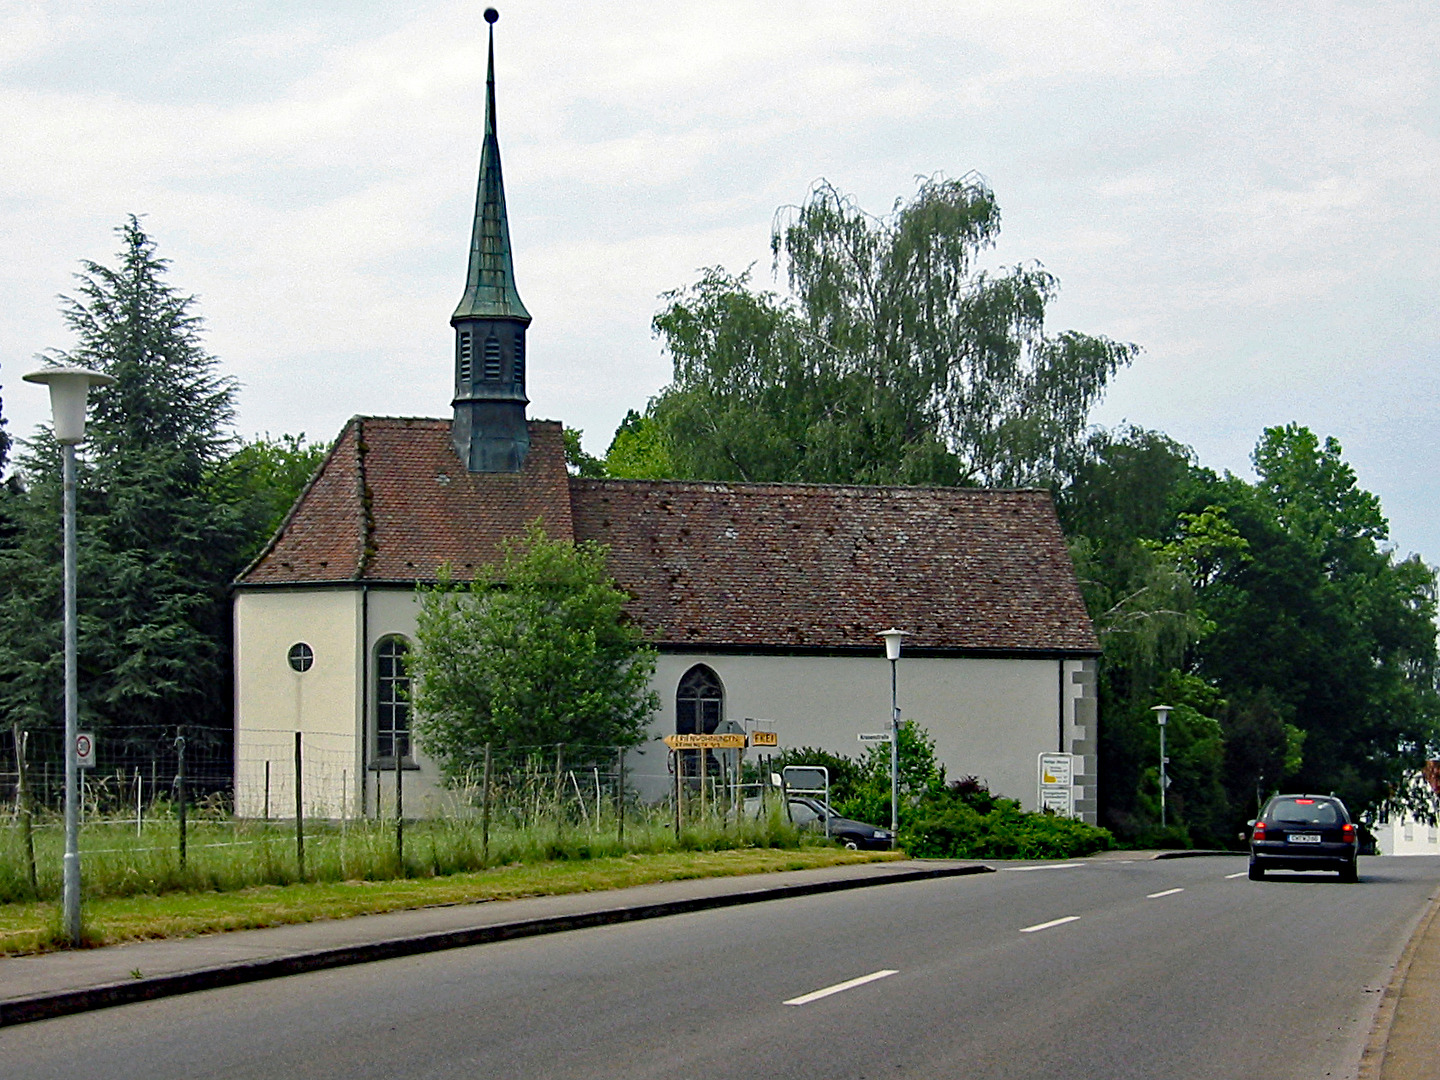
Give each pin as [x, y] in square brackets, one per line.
[490, 284]
[489, 431]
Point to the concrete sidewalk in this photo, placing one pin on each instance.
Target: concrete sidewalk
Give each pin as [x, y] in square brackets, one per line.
[55, 984]
[1405, 1042]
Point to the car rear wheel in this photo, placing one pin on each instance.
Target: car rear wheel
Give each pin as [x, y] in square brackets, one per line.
[1257, 872]
[1350, 874]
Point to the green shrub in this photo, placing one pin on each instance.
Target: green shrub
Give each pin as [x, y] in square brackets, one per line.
[951, 827]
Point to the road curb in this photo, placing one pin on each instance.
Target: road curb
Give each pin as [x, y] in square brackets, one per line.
[1192, 853]
[45, 1006]
[1372, 1060]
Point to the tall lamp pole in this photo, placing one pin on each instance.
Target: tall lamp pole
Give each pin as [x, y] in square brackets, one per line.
[69, 388]
[893, 638]
[1162, 717]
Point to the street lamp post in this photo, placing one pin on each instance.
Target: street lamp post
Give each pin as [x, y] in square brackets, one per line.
[1162, 717]
[892, 653]
[69, 388]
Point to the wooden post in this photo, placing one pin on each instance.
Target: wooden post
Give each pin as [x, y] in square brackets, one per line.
[679, 789]
[180, 784]
[485, 813]
[139, 805]
[704, 764]
[299, 809]
[22, 798]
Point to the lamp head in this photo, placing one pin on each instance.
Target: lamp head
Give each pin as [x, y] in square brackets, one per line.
[1162, 714]
[892, 642]
[69, 389]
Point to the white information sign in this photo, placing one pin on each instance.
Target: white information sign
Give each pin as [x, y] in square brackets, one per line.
[1058, 800]
[1055, 776]
[85, 749]
[874, 736]
[1056, 770]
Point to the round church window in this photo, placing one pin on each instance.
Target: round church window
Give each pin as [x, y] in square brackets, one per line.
[301, 656]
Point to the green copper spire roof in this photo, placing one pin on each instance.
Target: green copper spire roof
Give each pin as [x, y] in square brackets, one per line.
[490, 283]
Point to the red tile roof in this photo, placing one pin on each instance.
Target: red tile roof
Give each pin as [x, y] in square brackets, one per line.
[826, 567]
[393, 502]
[725, 566]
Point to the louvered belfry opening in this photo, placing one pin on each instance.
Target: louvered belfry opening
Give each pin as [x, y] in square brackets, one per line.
[489, 430]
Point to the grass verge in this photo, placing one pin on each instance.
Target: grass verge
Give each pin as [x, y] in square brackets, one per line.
[35, 927]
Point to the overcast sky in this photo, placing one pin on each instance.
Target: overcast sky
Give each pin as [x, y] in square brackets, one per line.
[1246, 190]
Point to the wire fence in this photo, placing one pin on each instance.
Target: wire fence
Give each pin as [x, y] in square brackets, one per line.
[163, 809]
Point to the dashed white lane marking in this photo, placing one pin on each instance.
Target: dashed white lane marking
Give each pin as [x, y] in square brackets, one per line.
[1167, 892]
[1048, 925]
[1242, 873]
[1055, 866]
[850, 984]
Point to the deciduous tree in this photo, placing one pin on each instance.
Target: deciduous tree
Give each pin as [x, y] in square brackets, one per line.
[535, 653]
[893, 359]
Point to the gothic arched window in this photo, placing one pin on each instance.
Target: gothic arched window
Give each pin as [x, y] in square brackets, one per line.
[392, 698]
[699, 702]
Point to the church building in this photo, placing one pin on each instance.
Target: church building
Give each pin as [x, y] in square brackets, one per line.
[764, 601]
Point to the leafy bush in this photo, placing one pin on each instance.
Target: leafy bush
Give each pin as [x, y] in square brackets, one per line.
[951, 826]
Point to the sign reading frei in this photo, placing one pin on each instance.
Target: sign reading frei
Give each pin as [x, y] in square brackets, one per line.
[764, 738]
[705, 742]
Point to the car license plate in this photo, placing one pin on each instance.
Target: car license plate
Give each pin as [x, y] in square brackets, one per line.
[1304, 838]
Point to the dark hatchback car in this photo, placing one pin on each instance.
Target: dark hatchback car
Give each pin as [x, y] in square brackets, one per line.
[1304, 832]
[810, 813]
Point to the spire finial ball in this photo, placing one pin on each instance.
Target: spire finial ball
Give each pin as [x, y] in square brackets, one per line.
[491, 15]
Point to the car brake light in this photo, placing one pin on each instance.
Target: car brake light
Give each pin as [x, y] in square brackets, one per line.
[1259, 830]
[1347, 833]
[1304, 802]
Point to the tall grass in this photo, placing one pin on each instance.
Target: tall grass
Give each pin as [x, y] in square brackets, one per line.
[224, 854]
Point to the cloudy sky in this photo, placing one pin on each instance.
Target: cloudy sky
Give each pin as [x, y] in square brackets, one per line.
[1246, 190]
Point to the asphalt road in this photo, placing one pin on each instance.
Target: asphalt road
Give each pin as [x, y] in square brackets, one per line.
[1180, 969]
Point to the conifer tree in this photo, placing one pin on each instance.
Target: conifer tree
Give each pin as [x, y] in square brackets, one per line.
[157, 545]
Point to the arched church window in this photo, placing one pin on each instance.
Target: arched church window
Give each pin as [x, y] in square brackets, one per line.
[699, 702]
[464, 356]
[392, 698]
[519, 365]
[492, 359]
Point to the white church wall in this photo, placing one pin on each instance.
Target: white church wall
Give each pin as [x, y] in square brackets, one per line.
[989, 717]
[273, 701]
[393, 611]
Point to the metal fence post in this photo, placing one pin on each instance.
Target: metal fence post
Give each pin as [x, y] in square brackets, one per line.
[180, 785]
[620, 799]
[485, 813]
[299, 811]
[399, 809]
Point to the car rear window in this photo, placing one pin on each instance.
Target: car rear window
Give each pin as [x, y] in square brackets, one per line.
[1303, 812]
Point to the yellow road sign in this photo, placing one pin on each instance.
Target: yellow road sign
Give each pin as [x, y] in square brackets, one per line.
[764, 738]
[705, 742]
